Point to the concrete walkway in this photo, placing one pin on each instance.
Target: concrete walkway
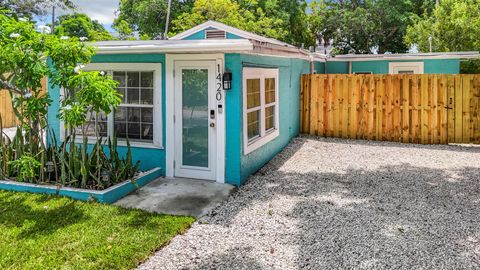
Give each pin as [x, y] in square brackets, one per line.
[178, 196]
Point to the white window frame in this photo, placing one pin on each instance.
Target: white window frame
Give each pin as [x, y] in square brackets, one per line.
[156, 68]
[396, 67]
[265, 135]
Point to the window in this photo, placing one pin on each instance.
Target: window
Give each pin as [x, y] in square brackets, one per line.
[138, 117]
[261, 123]
[406, 67]
[134, 117]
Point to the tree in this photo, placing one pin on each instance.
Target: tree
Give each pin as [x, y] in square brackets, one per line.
[80, 25]
[29, 8]
[365, 26]
[453, 26]
[231, 13]
[289, 15]
[23, 64]
[147, 17]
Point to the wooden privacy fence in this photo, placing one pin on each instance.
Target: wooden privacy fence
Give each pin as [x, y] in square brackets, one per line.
[427, 109]
[6, 110]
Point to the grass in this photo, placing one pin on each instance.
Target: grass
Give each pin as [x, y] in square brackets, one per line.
[49, 232]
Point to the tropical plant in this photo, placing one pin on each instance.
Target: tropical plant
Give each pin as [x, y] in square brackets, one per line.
[26, 57]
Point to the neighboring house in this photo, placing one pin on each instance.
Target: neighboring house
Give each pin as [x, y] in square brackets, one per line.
[420, 63]
[177, 114]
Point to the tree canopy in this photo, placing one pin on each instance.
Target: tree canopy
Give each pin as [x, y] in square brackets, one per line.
[453, 26]
[365, 26]
[80, 25]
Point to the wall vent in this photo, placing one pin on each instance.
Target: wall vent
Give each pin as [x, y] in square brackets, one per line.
[215, 34]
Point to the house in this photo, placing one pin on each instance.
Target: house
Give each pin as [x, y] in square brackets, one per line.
[214, 102]
[177, 114]
[418, 63]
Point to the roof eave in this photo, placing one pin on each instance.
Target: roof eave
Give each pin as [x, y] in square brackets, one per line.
[176, 48]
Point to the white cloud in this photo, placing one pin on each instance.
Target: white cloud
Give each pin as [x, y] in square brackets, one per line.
[100, 10]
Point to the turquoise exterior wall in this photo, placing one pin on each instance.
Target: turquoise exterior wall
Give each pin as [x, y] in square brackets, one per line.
[434, 66]
[337, 67]
[240, 166]
[201, 35]
[149, 157]
[319, 67]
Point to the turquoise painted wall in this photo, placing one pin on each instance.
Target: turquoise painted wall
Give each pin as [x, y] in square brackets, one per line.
[201, 35]
[240, 166]
[319, 67]
[149, 157]
[434, 66]
[337, 67]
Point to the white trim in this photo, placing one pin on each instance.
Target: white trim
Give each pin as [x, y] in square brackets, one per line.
[265, 136]
[229, 29]
[174, 46]
[396, 67]
[157, 104]
[169, 111]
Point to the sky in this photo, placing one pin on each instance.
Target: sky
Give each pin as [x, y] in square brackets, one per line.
[100, 10]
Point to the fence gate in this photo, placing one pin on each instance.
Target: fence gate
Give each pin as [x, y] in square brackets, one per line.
[427, 109]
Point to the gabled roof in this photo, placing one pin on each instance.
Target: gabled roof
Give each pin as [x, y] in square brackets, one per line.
[229, 29]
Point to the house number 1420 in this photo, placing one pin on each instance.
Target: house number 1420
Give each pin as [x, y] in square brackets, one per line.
[219, 84]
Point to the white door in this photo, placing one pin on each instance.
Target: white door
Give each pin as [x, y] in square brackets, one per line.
[195, 120]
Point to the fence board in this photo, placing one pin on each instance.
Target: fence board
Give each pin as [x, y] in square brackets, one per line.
[428, 109]
[6, 109]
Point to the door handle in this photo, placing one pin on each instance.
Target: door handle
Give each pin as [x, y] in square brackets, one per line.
[212, 124]
[212, 114]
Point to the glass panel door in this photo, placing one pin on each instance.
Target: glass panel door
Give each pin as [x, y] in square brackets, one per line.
[195, 117]
[195, 120]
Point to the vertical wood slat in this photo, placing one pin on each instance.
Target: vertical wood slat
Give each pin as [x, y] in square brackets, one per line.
[427, 109]
[434, 110]
[466, 93]
[379, 110]
[313, 105]
[321, 104]
[345, 106]
[442, 108]
[354, 96]
[415, 126]
[458, 110]
[406, 109]
[476, 109]
[424, 109]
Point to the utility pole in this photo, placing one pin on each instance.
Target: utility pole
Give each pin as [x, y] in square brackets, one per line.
[53, 19]
[165, 34]
[430, 41]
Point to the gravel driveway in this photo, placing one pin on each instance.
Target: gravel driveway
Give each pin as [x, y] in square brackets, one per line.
[342, 204]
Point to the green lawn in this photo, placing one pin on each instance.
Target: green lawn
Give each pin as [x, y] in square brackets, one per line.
[49, 232]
